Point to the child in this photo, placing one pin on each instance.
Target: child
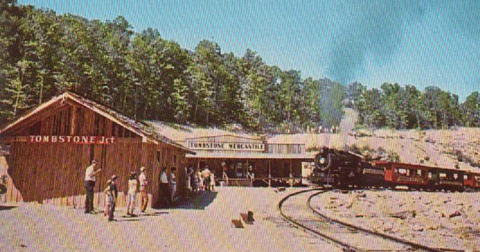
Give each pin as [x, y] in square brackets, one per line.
[107, 198]
[113, 194]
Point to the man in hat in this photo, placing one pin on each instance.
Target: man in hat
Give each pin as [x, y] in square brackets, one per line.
[143, 189]
[132, 193]
[113, 193]
[89, 185]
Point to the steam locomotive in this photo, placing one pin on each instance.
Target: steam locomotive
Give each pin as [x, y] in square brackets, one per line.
[344, 169]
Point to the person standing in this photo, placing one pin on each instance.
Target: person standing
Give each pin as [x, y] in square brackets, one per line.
[196, 181]
[164, 188]
[224, 174]
[206, 178]
[212, 182]
[173, 183]
[188, 180]
[113, 195]
[200, 180]
[108, 199]
[132, 193]
[90, 185]
[143, 189]
[250, 175]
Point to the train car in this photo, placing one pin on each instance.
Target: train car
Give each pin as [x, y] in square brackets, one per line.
[372, 177]
[471, 181]
[343, 169]
[446, 179]
[400, 174]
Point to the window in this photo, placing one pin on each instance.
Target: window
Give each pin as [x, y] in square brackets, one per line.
[174, 159]
[158, 156]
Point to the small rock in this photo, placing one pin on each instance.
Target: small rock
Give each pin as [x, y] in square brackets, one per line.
[455, 214]
[362, 195]
[417, 228]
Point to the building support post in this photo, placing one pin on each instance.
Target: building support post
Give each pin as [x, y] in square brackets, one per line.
[269, 173]
[292, 177]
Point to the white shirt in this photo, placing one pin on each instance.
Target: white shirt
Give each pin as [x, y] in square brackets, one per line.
[89, 174]
[163, 178]
[132, 186]
[143, 180]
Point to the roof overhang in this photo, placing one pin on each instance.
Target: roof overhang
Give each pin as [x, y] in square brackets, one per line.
[134, 126]
[249, 155]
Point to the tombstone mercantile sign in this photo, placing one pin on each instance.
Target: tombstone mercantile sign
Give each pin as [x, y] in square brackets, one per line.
[226, 146]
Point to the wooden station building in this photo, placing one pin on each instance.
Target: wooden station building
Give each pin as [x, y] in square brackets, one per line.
[272, 164]
[46, 151]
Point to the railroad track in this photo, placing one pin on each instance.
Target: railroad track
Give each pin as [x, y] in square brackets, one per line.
[296, 209]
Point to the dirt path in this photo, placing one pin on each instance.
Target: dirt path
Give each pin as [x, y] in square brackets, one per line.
[203, 224]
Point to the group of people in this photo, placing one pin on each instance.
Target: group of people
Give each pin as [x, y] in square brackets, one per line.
[196, 181]
[134, 185]
[168, 187]
[200, 180]
[333, 129]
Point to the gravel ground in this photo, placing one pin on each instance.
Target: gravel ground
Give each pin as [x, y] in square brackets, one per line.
[436, 219]
[203, 224]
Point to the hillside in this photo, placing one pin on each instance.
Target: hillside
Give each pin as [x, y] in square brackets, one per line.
[431, 147]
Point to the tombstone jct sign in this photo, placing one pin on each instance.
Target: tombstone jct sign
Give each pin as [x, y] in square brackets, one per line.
[72, 139]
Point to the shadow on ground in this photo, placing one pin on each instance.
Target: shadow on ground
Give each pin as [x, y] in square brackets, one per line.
[198, 202]
[4, 208]
[154, 214]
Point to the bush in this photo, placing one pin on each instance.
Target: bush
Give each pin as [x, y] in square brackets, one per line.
[354, 148]
[393, 156]
[381, 151]
[459, 155]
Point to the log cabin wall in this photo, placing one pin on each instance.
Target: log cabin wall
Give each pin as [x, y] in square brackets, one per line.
[54, 172]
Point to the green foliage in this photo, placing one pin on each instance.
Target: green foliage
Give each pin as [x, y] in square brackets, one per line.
[393, 156]
[398, 107]
[43, 54]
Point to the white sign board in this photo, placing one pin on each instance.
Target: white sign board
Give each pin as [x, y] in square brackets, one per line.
[226, 146]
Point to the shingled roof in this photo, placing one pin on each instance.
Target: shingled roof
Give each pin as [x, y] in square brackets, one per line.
[138, 127]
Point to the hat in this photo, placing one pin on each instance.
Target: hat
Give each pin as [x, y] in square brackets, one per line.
[143, 168]
[133, 173]
[109, 181]
[114, 176]
[94, 161]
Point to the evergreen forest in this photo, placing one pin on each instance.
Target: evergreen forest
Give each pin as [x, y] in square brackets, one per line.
[147, 77]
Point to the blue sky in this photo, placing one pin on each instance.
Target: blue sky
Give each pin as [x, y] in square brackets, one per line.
[420, 43]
